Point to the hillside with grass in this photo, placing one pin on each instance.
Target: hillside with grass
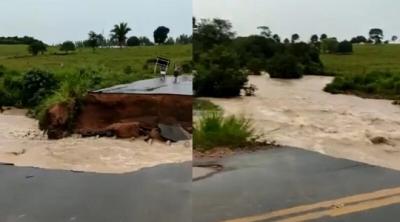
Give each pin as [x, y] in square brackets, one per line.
[372, 71]
[365, 58]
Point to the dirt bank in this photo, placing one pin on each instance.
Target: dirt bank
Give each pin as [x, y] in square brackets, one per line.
[23, 145]
[298, 113]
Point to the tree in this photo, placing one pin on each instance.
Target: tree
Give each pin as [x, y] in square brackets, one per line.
[284, 66]
[359, 39]
[183, 39]
[395, 38]
[67, 46]
[93, 41]
[119, 33]
[345, 47]
[295, 37]
[133, 41]
[37, 47]
[314, 39]
[323, 36]
[265, 31]
[276, 38]
[330, 45]
[161, 34]
[376, 35]
[286, 41]
[210, 33]
[219, 74]
[145, 41]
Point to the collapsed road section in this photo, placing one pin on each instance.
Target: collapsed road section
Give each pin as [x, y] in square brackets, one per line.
[156, 108]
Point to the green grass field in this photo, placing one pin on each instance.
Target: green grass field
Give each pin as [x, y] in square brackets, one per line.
[366, 58]
[16, 57]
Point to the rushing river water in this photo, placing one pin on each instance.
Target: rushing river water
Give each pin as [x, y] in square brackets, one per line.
[299, 113]
[22, 144]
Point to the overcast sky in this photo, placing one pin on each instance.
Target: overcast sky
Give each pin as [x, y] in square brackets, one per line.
[341, 18]
[54, 21]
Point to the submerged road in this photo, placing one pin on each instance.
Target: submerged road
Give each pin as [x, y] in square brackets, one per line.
[294, 185]
[155, 194]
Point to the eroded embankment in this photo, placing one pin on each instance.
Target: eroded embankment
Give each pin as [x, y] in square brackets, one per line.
[298, 113]
[22, 144]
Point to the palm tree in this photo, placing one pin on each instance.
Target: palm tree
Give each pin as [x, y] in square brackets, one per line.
[119, 33]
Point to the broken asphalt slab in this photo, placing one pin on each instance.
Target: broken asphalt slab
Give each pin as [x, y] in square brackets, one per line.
[161, 193]
[267, 181]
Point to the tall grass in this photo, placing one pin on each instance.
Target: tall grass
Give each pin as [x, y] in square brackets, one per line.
[214, 130]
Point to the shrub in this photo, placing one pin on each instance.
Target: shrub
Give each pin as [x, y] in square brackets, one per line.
[345, 47]
[36, 86]
[214, 130]
[284, 66]
[37, 47]
[72, 90]
[133, 41]
[374, 85]
[67, 46]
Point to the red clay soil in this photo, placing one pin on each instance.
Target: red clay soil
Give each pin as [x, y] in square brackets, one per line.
[122, 115]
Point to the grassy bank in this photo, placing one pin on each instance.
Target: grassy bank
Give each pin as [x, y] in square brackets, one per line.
[365, 59]
[213, 130]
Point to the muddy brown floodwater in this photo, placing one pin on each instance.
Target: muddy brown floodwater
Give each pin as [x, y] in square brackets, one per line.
[299, 113]
[22, 144]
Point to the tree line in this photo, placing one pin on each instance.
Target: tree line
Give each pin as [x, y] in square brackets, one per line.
[118, 37]
[223, 60]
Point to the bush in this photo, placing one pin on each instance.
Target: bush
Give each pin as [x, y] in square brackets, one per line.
[284, 66]
[214, 130]
[67, 46]
[373, 85]
[345, 47]
[36, 86]
[73, 89]
[330, 45]
[133, 41]
[218, 74]
[37, 47]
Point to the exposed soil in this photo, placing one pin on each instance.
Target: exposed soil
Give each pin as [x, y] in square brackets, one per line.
[118, 114]
[22, 144]
[299, 113]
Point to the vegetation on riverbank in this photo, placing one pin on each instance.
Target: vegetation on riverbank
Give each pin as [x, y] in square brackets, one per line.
[213, 129]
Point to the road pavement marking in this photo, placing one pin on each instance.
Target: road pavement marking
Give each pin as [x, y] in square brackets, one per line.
[332, 208]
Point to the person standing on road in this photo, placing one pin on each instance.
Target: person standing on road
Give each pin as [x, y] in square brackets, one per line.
[177, 72]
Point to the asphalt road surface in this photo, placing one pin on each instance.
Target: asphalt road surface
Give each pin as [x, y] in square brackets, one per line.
[155, 194]
[293, 185]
